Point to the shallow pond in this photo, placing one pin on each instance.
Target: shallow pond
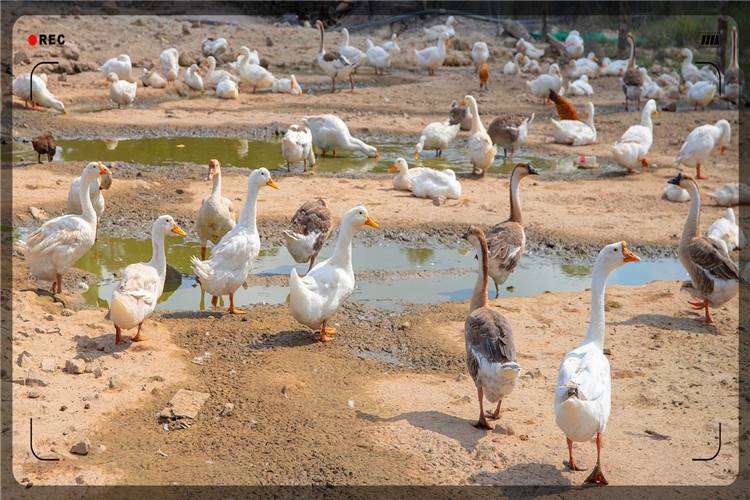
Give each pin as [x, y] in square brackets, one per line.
[445, 274]
[254, 153]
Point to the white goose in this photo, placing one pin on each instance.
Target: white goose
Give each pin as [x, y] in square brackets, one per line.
[142, 284]
[329, 132]
[60, 242]
[213, 75]
[434, 32]
[726, 231]
[314, 298]
[286, 86]
[512, 67]
[152, 78]
[392, 45]
[615, 67]
[232, 259]
[541, 85]
[479, 146]
[631, 149]
[121, 92]
[297, 146]
[574, 44]
[352, 54]
[584, 66]
[574, 132]
[227, 89]
[214, 47]
[437, 136]
[676, 193]
[580, 87]
[425, 182]
[700, 93]
[701, 142]
[40, 95]
[193, 78]
[689, 71]
[529, 49]
[583, 396]
[216, 216]
[255, 75]
[480, 53]
[378, 57]
[120, 65]
[431, 58]
[332, 63]
[95, 193]
[170, 67]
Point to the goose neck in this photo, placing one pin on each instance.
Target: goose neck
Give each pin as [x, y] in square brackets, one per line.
[342, 252]
[247, 218]
[515, 200]
[479, 297]
[87, 208]
[595, 333]
[693, 222]
[158, 257]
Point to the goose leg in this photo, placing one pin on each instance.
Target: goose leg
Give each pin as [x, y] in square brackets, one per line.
[497, 290]
[644, 163]
[597, 476]
[495, 414]
[312, 262]
[326, 332]
[709, 321]
[203, 252]
[351, 83]
[138, 337]
[572, 461]
[118, 335]
[39, 158]
[214, 300]
[58, 280]
[333, 85]
[232, 309]
[482, 423]
[698, 174]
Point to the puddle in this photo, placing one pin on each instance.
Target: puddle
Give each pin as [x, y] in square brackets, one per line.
[253, 153]
[436, 275]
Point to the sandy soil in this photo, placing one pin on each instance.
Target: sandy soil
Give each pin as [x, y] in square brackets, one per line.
[388, 402]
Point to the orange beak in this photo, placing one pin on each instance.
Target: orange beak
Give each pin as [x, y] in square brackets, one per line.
[371, 222]
[393, 168]
[462, 103]
[416, 157]
[103, 170]
[272, 183]
[178, 230]
[722, 150]
[628, 255]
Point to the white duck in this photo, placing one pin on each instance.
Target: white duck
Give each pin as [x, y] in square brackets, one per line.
[214, 47]
[142, 284]
[392, 45]
[512, 67]
[541, 85]
[378, 57]
[255, 75]
[121, 92]
[574, 132]
[529, 49]
[286, 86]
[352, 54]
[152, 78]
[701, 142]
[434, 32]
[431, 58]
[631, 149]
[437, 136]
[193, 78]
[480, 148]
[583, 396]
[314, 298]
[95, 193]
[40, 95]
[227, 89]
[214, 76]
[584, 66]
[425, 182]
[232, 259]
[216, 216]
[297, 146]
[329, 132]
[574, 44]
[652, 90]
[676, 193]
[480, 53]
[60, 242]
[120, 65]
[700, 93]
[729, 195]
[332, 63]
[530, 66]
[580, 87]
[170, 67]
[726, 231]
[689, 71]
[615, 67]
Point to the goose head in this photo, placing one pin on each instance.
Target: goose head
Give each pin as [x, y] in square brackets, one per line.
[615, 255]
[400, 165]
[451, 21]
[683, 181]
[357, 218]
[214, 169]
[525, 169]
[112, 77]
[261, 177]
[726, 135]
[296, 89]
[93, 170]
[476, 238]
[165, 225]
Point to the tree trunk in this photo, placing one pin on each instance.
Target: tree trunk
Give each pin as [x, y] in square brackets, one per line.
[723, 28]
[622, 32]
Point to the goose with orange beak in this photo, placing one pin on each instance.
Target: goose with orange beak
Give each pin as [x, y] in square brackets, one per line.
[232, 259]
[583, 396]
[315, 298]
[134, 299]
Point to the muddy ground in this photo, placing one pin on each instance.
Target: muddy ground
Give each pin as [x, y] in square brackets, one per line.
[388, 402]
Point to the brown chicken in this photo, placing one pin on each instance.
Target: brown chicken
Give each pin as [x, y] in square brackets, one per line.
[564, 106]
[484, 76]
[44, 145]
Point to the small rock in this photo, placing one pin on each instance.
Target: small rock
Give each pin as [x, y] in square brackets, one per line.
[66, 312]
[21, 57]
[32, 395]
[184, 404]
[49, 317]
[87, 406]
[62, 77]
[63, 408]
[97, 372]
[285, 392]
[48, 365]
[75, 366]
[179, 191]
[38, 214]
[79, 480]
[33, 378]
[523, 437]
[71, 52]
[460, 377]
[117, 355]
[226, 410]
[81, 447]
[350, 404]
[187, 58]
[269, 42]
[25, 360]
[115, 382]
[185, 29]
[404, 326]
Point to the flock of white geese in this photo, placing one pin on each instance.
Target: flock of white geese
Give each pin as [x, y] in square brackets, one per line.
[582, 395]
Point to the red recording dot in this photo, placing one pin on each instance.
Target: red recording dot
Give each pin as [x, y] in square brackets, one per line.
[32, 39]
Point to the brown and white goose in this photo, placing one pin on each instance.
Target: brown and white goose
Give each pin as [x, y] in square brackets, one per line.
[310, 228]
[714, 277]
[632, 80]
[509, 132]
[490, 351]
[333, 63]
[507, 240]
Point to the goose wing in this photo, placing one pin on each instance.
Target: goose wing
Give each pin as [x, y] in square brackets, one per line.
[490, 334]
[312, 217]
[505, 244]
[710, 257]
